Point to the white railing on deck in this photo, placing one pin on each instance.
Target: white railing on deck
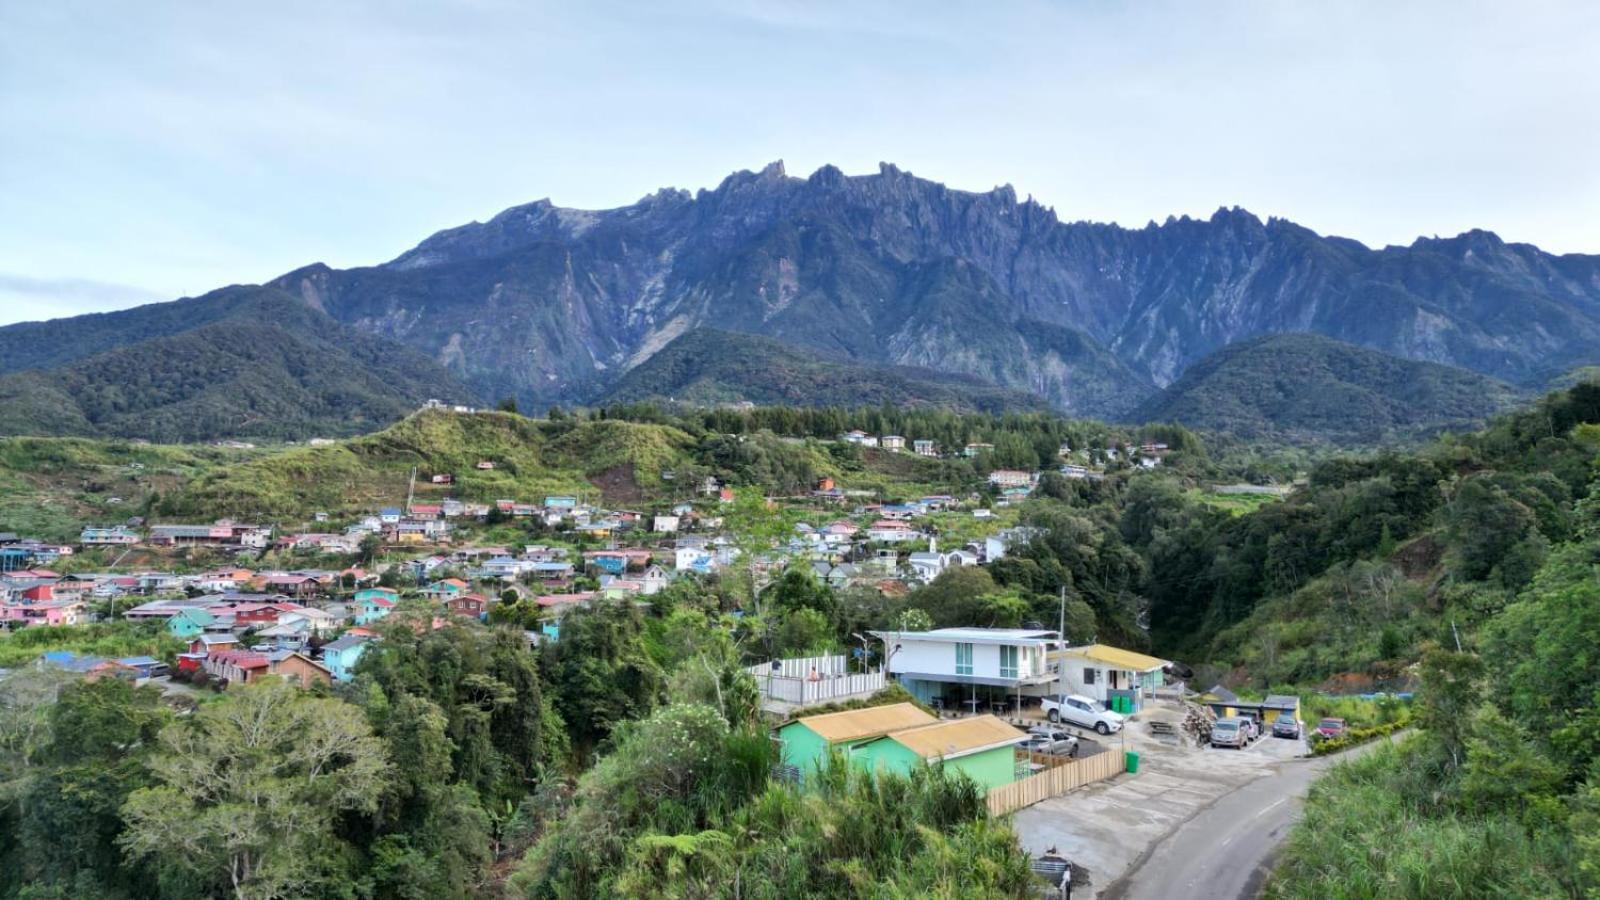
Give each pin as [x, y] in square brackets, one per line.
[791, 681]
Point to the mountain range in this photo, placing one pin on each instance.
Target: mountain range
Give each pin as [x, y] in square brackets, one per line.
[890, 279]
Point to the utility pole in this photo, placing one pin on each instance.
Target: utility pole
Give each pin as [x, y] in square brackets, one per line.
[1062, 634]
[411, 489]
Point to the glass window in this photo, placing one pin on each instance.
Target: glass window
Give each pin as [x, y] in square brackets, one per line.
[1088, 674]
[1008, 661]
[963, 659]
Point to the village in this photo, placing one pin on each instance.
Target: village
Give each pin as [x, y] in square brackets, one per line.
[1025, 713]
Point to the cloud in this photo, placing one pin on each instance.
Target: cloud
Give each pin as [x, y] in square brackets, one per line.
[26, 298]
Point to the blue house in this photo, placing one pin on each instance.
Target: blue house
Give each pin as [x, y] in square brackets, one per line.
[189, 623]
[610, 563]
[373, 604]
[340, 656]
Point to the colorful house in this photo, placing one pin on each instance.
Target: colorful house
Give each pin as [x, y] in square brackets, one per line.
[373, 604]
[610, 563]
[189, 623]
[445, 589]
[340, 656]
[806, 742]
[470, 605]
[981, 747]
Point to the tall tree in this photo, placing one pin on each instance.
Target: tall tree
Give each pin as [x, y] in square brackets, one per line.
[249, 789]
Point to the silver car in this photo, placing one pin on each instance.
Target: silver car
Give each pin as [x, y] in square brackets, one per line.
[1230, 733]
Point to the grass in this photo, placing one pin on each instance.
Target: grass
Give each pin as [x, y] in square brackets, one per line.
[108, 639]
[1372, 829]
[1236, 504]
[51, 487]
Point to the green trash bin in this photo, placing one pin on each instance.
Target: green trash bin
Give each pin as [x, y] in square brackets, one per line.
[1132, 760]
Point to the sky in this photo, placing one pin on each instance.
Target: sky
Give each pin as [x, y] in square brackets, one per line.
[161, 149]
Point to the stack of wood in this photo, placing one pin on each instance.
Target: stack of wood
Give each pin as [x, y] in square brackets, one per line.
[1197, 721]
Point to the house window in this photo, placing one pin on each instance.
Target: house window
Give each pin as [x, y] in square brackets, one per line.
[1088, 675]
[1008, 662]
[963, 659]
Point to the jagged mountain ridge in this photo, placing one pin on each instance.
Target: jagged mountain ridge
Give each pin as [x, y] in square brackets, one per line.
[554, 305]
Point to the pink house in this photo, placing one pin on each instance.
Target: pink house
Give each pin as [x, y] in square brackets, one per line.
[44, 612]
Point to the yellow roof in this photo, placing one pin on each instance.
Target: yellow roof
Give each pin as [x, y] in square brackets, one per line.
[873, 721]
[1114, 657]
[956, 736]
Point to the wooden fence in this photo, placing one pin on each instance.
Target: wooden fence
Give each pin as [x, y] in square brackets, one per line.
[1054, 781]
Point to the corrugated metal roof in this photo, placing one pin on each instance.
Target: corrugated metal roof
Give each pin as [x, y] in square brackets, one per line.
[957, 736]
[1114, 656]
[855, 724]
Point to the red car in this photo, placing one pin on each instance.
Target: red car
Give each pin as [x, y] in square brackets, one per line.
[1330, 728]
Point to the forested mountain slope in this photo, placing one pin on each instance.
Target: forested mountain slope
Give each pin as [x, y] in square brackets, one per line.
[254, 363]
[1304, 387]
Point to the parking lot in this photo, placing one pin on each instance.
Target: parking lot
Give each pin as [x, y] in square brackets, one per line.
[1106, 827]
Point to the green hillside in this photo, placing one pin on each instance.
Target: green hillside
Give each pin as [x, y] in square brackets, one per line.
[1307, 388]
[707, 367]
[271, 368]
[530, 459]
[51, 487]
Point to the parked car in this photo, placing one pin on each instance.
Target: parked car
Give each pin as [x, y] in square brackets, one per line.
[1053, 741]
[1286, 726]
[1229, 733]
[1330, 729]
[1076, 709]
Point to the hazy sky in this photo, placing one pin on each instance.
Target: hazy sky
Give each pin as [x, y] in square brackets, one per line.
[156, 149]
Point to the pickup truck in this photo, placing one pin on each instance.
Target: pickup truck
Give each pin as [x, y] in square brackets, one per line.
[1052, 741]
[1075, 709]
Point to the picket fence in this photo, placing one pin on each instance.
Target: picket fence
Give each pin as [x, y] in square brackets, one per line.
[1060, 776]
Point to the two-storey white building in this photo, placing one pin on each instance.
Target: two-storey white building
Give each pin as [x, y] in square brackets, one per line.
[969, 668]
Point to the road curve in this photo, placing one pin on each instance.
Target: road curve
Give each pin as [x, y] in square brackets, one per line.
[1226, 850]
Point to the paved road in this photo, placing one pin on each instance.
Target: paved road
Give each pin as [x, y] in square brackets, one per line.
[1226, 850]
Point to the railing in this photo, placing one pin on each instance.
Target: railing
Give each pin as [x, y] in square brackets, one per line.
[1054, 781]
[803, 692]
[801, 668]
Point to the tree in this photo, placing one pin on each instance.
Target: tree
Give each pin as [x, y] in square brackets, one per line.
[99, 733]
[508, 405]
[249, 790]
[600, 672]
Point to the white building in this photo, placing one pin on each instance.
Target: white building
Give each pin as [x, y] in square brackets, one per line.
[969, 667]
[665, 524]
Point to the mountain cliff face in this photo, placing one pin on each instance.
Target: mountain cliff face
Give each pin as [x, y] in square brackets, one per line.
[556, 305]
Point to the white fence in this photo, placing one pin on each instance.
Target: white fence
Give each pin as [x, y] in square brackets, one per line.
[801, 668]
[790, 680]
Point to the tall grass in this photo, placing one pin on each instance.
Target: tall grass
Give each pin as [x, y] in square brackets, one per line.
[1380, 826]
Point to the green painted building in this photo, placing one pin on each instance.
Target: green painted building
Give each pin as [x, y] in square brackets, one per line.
[899, 737]
[189, 623]
[806, 742]
[981, 747]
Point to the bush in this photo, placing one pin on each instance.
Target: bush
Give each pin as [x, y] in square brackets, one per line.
[1352, 737]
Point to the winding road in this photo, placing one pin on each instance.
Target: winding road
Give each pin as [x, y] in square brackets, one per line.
[1227, 850]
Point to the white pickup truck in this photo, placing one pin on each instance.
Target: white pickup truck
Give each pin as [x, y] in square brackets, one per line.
[1075, 709]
